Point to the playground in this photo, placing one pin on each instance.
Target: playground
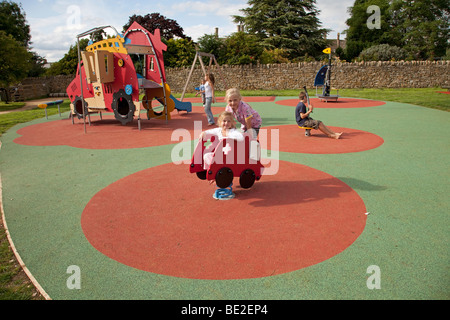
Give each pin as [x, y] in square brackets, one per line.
[112, 202]
[100, 202]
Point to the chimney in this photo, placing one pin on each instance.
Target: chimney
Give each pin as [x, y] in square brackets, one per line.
[217, 32]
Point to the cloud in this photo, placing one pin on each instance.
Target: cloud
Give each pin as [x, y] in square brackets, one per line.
[53, 35]
[206, 15]
[55, 28]
[50, 39]
[221, 8]
[198, 31]
[333, 14]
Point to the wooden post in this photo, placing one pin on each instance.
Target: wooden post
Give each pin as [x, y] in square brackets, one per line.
[199, 55]
[189, 76]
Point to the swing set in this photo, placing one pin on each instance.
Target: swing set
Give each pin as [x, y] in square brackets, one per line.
[198, 56]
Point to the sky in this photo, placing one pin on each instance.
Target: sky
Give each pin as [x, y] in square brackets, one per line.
[55, 24]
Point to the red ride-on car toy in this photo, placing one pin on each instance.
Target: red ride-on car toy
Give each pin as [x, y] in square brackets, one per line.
[230, 158]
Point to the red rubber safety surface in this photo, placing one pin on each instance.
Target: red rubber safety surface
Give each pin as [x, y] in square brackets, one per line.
[340, 103]
[110, 134]
[291, 138]
[246, 99]
[166, 221]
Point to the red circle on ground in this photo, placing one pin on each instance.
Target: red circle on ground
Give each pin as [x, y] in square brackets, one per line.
[246, 99]
[292, 139]
[108, 133]
[165, 220]
[340, 103]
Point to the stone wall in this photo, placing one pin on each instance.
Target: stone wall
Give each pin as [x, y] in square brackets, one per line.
[410, 74]
[31, 88]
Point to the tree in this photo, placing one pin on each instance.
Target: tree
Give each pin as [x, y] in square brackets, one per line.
[291, 25]
[359, 35]
[210, 43]
[382, 52]
[169, 28]
[242, 48]
[14, 23]
[274, 56]
[69, 63]
[14, 60]
[238, 48]
[421, 27]
[180, 53]
[36, 65]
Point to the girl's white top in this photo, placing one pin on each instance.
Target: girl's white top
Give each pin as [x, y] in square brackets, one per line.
[233, 133]
[208, 90]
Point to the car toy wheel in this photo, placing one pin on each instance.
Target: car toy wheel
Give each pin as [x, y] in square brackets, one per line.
[247, 178]
[224, 177]
[201, 175]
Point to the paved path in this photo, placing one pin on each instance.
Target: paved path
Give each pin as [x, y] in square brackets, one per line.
[33, 104]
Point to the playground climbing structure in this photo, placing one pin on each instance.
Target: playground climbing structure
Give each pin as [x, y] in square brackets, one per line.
[107, 80]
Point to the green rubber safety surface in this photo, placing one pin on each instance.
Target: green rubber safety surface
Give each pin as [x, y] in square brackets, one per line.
[112, 203]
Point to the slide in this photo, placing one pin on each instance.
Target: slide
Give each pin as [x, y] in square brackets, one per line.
[180, 105]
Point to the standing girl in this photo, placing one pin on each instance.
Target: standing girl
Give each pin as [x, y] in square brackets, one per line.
[209, 98]
[248, 117]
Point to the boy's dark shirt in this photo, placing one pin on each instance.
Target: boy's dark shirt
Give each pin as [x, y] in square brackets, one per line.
[300, 108]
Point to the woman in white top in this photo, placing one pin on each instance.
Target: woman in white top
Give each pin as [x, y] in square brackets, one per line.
[226, 129]
[209, 98]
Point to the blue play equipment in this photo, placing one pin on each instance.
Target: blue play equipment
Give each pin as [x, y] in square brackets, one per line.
[323, 79]
[179, 105]
[51, 103]
[319, 81]
[182, 105]
[224, 193]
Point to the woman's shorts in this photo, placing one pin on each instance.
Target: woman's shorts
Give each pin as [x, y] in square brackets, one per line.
[256, 130]
[311, 123]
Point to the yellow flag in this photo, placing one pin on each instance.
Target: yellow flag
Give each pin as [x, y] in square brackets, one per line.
[327, 50]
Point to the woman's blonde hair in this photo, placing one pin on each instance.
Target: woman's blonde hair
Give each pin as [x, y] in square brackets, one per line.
[233, 92]
[227, 114]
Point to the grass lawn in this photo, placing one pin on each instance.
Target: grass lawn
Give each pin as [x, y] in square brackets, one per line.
[14, 284]
[10, 106]
[425, 97]
[8, 120]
